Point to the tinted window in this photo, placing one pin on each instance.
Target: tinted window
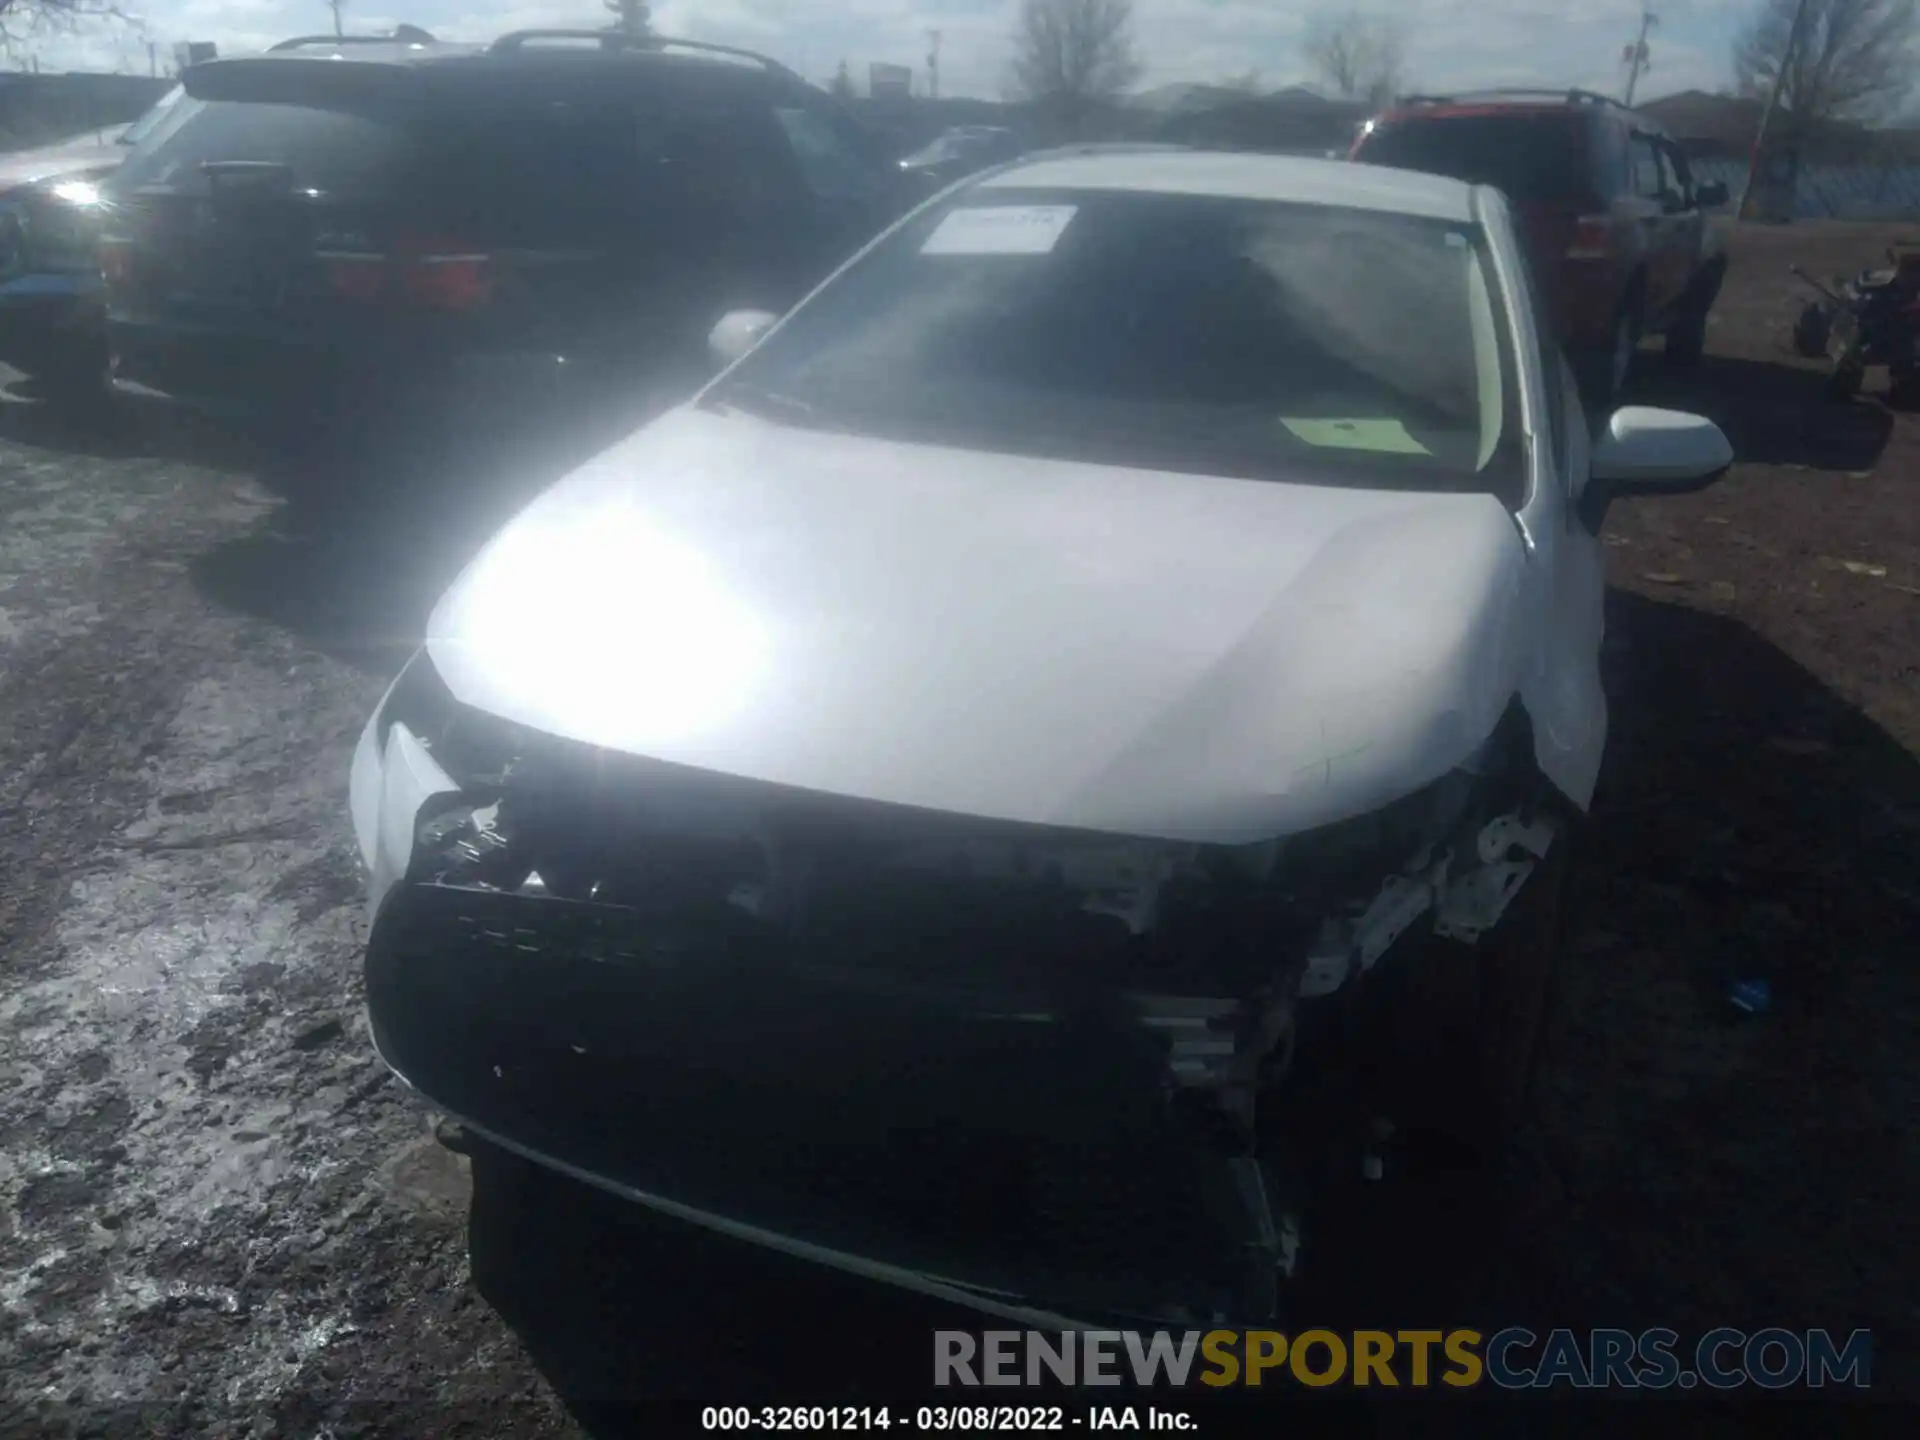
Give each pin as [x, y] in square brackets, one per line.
[1529, 157]
[152, 120]
[531, 170]
[350, 146]
[1674, 170]
[1647, 181]
[1610, 158]
[834, 168]
[1214, 335]
[545, 169]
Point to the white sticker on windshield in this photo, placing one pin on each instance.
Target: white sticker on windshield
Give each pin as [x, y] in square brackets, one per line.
[999, 230]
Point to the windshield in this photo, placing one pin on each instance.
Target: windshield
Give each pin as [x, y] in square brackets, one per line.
[1210, 335]
[1530, 157]
[150, 121]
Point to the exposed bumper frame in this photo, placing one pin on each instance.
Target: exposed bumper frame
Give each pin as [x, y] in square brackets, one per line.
[933, 1286]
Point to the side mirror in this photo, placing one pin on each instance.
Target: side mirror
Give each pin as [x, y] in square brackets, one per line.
[1711, 195]
[1645, 451]
[737, 333]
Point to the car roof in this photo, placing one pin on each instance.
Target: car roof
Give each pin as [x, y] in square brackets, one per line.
[1518, 104]
[1243, 176]
[522, 52]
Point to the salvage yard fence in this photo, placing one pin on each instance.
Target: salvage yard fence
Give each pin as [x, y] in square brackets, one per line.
[1834, 192]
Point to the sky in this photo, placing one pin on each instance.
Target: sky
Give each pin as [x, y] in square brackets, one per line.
[1449, 42]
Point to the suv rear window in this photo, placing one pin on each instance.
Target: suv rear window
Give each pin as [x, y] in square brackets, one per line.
[537, 164]
[349, 146]
[1532, 157]
[536, 168]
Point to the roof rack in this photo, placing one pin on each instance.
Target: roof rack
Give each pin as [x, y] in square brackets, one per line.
[515, 40]
[1571, 97]
[402, 35]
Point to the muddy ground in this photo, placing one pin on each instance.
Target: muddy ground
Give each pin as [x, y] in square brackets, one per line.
[218, 1216]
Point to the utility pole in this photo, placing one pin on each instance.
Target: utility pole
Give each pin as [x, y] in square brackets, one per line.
[153, 60]
[933, 64]
[1757, 158]
[634, 16]
[1638, 57]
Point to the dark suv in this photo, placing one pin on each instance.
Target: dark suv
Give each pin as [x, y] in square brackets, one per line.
[1617, 231]
[370, 220]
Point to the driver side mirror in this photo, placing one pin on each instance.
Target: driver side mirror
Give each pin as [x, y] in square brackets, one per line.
[1645, 451]
[737, 333]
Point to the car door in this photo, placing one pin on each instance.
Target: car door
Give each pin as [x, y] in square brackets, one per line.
[1667, 260]
[1566, 605]
[1647, 215]
[1686, 233]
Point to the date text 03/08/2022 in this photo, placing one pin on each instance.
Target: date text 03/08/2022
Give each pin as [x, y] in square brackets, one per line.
[943, 1418]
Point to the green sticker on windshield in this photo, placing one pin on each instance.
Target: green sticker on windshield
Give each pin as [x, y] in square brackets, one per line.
[1383, 437]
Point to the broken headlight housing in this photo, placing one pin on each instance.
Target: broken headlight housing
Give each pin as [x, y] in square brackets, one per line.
[477, 750]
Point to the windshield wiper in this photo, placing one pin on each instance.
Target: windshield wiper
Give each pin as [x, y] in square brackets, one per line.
[769, 405]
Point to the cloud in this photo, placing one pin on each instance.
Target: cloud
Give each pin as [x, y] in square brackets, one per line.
[1450, 42]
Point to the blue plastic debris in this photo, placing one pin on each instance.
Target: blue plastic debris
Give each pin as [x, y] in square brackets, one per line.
[1752, 996]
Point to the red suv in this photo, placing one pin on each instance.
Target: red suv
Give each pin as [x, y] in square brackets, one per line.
[1615, 224]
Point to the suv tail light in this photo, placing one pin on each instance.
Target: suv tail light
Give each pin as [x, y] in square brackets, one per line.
[355, 276]
[1592, 238]
[431, 271]
[441, 273]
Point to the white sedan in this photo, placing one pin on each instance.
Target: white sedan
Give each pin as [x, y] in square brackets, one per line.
[940, 801]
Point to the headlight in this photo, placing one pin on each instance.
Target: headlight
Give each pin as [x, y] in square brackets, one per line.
[54, 227]
[81, 194]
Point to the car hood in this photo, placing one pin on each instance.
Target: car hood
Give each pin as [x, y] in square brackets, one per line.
[83, 156]
[1038, 641]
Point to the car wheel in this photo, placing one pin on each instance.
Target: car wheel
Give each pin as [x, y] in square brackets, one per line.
[1625, 342]
[78, 393]
[1602, 367]
[73, 379]
[1843, 383]
[1467, 1023]
[1687, 336]
[1812, 330]
[501, 1219]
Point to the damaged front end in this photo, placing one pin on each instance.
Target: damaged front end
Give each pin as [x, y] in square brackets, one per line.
[1043, 1069]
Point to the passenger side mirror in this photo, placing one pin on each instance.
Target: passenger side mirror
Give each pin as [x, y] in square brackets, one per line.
[1644, 451]
[737, 333]
[1711, 195]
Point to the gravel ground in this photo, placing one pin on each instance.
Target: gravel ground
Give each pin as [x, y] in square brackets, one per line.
[217, 1215]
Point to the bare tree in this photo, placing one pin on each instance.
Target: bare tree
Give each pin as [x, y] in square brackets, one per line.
[1360, 55]
[22, 19]
[1070, 52]
[1854, 59]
